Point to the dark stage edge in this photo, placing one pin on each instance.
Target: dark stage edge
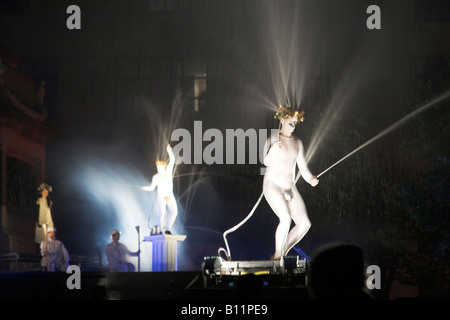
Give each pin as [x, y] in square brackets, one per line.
[179, 285]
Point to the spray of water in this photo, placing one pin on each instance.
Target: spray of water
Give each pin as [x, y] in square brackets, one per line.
[159, 124]
[287, 43]
[289, 46]
[111, 189]
[391, 128]
[108, 178]
[355, 75]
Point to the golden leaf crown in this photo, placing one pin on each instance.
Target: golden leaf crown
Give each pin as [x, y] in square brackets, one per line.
[44, 186]
[158, 162]
[287, 111]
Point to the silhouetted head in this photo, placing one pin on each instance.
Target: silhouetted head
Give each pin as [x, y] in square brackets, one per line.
[337, 272]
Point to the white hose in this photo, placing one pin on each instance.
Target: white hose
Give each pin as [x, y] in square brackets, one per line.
[228, 251]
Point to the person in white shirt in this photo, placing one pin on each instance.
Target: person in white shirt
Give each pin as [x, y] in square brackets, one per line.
[164, 181]
[55, 256]
[282, 154]
[116, 254]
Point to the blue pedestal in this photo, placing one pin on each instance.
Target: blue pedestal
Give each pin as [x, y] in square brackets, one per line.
[164, 251]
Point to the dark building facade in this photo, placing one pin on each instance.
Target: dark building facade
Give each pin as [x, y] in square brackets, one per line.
[231, 62]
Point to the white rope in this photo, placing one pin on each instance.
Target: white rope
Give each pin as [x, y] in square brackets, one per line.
[228, 251]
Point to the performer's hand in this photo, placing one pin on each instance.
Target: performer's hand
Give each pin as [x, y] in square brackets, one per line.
[273, 151]
[314, 181]
[169, 147]
[276, 146]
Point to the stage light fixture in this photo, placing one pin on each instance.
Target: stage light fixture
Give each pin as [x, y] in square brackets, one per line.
[211, 263]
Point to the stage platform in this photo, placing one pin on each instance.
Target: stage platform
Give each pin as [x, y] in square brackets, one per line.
[215, 265]
[217, 280]
[289, 270]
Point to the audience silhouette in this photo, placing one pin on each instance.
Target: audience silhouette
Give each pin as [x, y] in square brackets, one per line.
[338, 272]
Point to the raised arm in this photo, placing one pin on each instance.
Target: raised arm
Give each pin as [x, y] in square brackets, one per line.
[171, 164]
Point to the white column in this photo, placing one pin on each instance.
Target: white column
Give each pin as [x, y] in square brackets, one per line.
[164, 251]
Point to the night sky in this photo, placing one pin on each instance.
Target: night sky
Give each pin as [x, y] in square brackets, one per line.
[118, 88]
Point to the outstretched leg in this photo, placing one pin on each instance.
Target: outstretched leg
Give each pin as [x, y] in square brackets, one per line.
[277, 201]
[173, 209]
[301, 220]
[162, 213]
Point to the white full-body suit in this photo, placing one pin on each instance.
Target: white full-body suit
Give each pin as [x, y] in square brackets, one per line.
[164, 181]
[281, 158]
[45, 217]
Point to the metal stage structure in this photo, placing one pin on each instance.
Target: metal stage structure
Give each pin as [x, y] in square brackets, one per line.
[288, 271]
[218, 279]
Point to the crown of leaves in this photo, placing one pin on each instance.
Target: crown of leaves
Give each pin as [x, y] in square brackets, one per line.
[44, 186]
[287, 111]
[158, 162]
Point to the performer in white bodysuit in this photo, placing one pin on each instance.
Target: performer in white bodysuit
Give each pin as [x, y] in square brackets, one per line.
[45, 213]
[164, 181]
[282, 154]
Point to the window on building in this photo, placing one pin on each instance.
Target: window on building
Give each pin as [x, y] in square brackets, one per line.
[191, 79]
